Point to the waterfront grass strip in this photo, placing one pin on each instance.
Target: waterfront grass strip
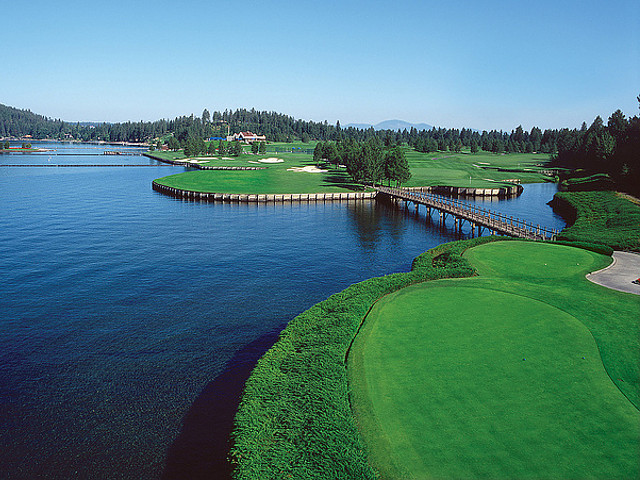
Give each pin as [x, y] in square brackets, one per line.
[295, 419]
[600, 217]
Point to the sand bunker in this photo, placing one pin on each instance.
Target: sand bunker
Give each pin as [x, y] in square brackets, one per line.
[195, 160]
[308, 169]
[271, 160]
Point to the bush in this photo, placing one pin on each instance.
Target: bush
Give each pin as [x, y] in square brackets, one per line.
[295, 419]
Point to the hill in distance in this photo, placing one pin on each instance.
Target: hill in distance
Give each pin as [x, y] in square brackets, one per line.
[391, 125]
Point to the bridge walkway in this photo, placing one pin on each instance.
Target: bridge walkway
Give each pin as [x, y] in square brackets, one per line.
[475, 215]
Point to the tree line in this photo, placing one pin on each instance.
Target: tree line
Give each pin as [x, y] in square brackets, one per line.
[612, 149]
[276, 126]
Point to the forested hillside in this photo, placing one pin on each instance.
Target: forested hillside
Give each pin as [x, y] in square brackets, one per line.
[276, 126]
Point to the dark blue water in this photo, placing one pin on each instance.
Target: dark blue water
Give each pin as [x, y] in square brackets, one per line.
[122, 310]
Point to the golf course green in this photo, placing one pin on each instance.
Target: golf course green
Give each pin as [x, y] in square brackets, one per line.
[525, 371]
[461, 169]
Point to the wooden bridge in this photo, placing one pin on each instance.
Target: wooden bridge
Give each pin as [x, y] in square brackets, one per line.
[476, 216]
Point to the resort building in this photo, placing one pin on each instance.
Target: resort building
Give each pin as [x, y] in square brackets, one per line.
[246, 137]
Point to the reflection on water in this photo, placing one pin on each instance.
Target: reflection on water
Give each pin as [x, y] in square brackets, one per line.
[126, 312]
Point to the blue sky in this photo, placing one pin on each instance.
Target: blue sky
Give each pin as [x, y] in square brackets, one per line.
[486, 65]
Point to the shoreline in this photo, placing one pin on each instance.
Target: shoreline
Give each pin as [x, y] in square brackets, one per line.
[90, 142]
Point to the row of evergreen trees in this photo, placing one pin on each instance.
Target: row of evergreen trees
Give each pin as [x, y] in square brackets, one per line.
[518, 141]
[613, 149]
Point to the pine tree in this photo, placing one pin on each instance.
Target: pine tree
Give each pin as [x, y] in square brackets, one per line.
[317, 153]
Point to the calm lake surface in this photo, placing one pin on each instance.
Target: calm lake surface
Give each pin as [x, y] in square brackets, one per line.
[120, 308]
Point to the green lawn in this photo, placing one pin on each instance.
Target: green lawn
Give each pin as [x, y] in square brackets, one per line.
[504, 375]
[474, 170]
[275, 179]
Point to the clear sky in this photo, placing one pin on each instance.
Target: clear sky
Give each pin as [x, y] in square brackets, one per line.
[477, 64]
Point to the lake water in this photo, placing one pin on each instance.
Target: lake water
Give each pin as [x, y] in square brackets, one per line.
[129, 319]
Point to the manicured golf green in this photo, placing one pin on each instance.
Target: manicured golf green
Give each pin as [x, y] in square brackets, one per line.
[501, 375]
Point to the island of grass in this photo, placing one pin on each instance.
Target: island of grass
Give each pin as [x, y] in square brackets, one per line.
[280, 173]
[526, 371]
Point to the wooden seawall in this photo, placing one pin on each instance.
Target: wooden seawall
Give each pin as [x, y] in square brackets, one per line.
[263, 198]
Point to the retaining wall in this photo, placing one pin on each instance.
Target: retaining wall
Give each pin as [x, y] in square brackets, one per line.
[254, 198]
[503, 192]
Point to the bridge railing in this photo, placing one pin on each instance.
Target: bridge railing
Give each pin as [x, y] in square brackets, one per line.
[475, 212]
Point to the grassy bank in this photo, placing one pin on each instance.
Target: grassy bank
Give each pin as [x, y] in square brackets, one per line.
[295, 420]
[600, 217]
[505, 373]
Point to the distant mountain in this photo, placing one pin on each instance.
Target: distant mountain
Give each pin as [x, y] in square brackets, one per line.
[391, 125]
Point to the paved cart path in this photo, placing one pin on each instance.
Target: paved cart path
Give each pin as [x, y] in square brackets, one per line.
[620, 274]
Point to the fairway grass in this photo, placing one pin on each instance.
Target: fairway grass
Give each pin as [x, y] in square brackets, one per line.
[479, 170]
[506, 375]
